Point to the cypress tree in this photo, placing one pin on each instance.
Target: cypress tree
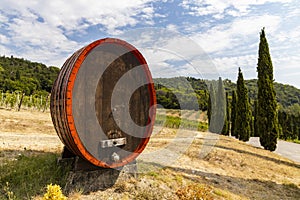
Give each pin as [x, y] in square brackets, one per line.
[220, 107]
[211, 108]
[18, 75]
[280, 123]
[256, 133]
[227, 114]
[252, 119]
[289, 127]
[233, 114]
[243, 110]
[283, 119]
[298, 128]
[294, 126]
[267, 119]
[226, 126]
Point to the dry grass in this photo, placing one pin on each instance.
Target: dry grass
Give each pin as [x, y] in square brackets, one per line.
[185, 114]
[26, 122]
[232, 170]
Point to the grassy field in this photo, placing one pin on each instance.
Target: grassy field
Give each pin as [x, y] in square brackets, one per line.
[231, 170]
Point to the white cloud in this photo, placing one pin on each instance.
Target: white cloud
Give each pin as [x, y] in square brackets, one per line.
[71, 16]
[287, 69]
[170, 53]
[225, 37]
[293, 12]
[218, 7]
[225, 64]
[44, 27]
[286, 62]
[172, 27]
[3, 19]
[4, 51]
[292, 35]
[4, 39]
[38, 41]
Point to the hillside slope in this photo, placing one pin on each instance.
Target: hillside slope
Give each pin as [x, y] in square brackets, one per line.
[31, 77]
[24, 75]
[231, 170]
[286, 95]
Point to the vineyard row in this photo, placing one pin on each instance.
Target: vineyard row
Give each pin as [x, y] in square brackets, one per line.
[18, 101]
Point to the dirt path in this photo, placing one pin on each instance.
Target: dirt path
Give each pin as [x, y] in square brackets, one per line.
[36, 142]
[286, 149]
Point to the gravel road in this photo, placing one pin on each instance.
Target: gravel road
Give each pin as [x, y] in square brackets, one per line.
[286, 149]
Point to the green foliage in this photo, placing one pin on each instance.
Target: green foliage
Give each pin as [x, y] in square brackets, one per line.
[286, 95]
[233, 114]
[255, 130]
[23, 75]
[211, 106]
[220, 107]
[267, 120]
[166, 97]
[289, 122]
[226, 127]
[177, 122]
[168, 88]
[293, 109]
[181, 93]
[243, 110]
[8, 193]
[27, 176]
[39, 101]
[216, 106]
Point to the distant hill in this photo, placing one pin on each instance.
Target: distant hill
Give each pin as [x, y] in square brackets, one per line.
[24, 75]
[286, 95]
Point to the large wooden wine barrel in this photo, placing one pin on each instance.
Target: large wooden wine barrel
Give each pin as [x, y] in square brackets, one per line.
[103, 103]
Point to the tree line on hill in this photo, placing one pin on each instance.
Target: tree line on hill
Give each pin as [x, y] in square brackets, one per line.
[287, 96]
[18, 74]
[27, 83]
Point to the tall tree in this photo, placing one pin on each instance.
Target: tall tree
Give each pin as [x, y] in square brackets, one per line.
[233, 114]
[220, 107]
[211, 110]
[256, 133]
[18, 75]
[252, 118]
[243, 110]
[226, 126]
[267, 119]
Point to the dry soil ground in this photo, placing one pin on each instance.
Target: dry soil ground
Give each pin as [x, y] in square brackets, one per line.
[175, 165]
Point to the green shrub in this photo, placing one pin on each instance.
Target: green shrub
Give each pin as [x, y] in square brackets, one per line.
[177, 122]
[28, 175]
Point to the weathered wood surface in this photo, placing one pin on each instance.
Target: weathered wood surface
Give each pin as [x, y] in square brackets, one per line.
[81, 102]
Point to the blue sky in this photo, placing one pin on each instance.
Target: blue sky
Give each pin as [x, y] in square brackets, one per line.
[203, 38]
